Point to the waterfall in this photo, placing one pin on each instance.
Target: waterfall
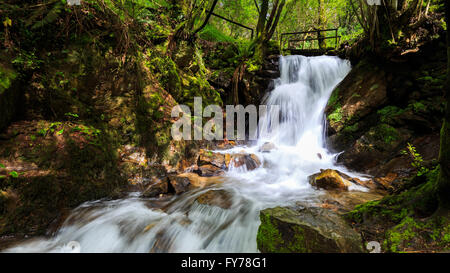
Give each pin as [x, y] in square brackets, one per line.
[181, 224]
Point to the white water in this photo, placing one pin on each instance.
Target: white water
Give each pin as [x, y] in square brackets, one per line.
[182, 225]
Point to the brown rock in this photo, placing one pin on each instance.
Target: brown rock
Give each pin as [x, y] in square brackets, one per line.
[158, 186]
[197, 181]
[218, 198]
[208, 157]
[329, 179]
[180, 184]
[209, 170]
[251, 161]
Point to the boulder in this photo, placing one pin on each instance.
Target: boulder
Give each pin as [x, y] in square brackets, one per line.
[209, 170]
[179, 183]
[329, 179]
[156, 187]
[266, 147]
[197, 181]
[305, 230]
[208, 157]
[218, 198]
[251, 161]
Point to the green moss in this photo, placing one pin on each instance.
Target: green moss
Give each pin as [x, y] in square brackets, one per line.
[350, 128]
[270, 240]
[334, 97]
[385, 133]
[400, 234]
[418, 107]
[336, 115]
[388, 113]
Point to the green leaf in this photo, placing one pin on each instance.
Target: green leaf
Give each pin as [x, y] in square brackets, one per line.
[14, 174]
[2, 166]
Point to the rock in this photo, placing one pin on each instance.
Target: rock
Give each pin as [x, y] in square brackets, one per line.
[266, 147]
[361, 92]
[329, 179]
[179, 183]
[251, 161]
[218, 198]
[343, 202]
[156, 187]
[208, 157]
[305, 230]
[209, 170]
[197, 181]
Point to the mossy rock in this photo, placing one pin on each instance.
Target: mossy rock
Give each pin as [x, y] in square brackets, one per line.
[305, 230]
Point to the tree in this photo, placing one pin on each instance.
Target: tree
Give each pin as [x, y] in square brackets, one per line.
[443, 182]
[266, 26]
[321, 24]
[210, 12]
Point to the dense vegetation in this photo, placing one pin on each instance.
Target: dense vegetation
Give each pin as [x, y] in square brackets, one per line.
[80, 84]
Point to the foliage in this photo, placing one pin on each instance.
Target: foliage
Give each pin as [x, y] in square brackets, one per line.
[417, 160]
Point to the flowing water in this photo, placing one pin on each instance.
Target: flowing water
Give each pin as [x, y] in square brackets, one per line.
[180, 224]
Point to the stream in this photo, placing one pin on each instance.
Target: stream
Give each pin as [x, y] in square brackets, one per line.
[180, 224]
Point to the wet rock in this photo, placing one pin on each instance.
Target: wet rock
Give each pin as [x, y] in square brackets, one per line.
[156, 187]
[179, 183]
[209, 170]
[197, 181]
[361, 92]
[218, 198]
[305, 230]
[343, 202]
[250, 161]
[329, 179]
[267, 147]
[208, 157]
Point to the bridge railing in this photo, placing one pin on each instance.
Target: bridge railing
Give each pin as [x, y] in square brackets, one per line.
[310, 40]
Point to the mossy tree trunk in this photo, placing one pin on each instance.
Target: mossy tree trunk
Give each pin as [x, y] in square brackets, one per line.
[266, 26]
[321, 22]
[443, 183]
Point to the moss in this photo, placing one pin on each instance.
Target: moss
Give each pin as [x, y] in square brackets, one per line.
[350, 128]
[388, 113]
[385, 133]
[270, 240]
[336, 115]
[418, 107]
[334, 97]
[400, 234]
[429, 233]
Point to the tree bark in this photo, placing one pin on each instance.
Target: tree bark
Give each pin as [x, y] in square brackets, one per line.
[321, 24]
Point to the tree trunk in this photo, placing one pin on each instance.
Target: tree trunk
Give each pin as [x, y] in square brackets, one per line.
[321, 25]
[266, 27]
[443, 183]
[211, 10]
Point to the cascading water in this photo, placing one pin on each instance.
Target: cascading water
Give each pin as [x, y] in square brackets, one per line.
[181, 224]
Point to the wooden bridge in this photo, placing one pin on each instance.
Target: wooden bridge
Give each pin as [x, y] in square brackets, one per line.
[310, 43]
